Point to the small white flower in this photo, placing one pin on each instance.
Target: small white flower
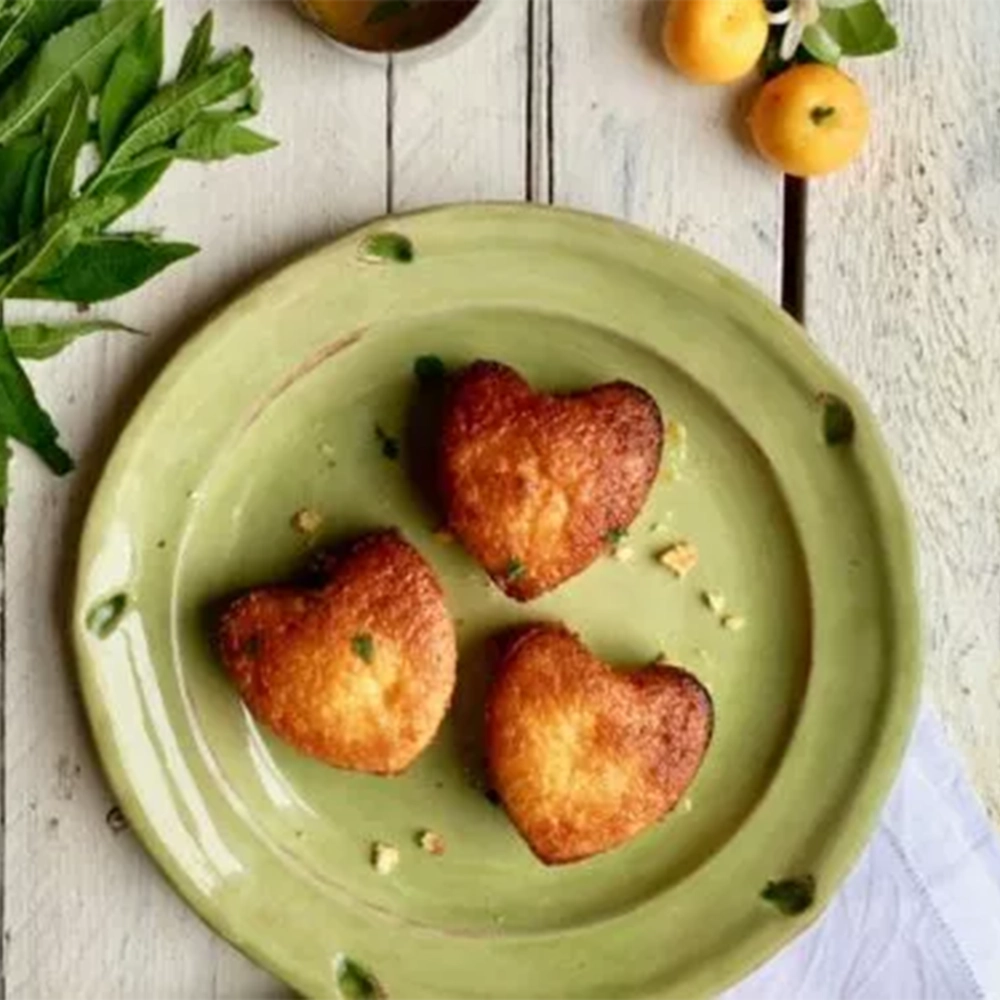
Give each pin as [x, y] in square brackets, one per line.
[797, 16]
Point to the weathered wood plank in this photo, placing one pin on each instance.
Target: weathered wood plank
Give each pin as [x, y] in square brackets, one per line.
[635, 140]
[86, 913]
[459, 121]
[903, 290]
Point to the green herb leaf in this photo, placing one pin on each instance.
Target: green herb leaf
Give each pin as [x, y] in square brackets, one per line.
[67, 130]
[514, 570]
[84, 51]
[216, 135]
[860, 29]
[198, 50]
[386, 10]
[133, 80]
[22, 416]
[32, 207]
[838, 420]
[103, 618]
[176, 106]
[30, 22]
[4, 471]
[363, 646]
[102, 267]
[15, 161]
[36, 341]
[430, 369]
[616, 535]
[43, 251]
[390, 445]
[791, 896]
[382, 247]
[821, 45]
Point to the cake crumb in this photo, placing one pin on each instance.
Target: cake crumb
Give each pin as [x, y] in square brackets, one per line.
[714, 601]
[735, 623]
[624, 553]
[431, 842]
[307, 521]
[680, 558]
[384, 858]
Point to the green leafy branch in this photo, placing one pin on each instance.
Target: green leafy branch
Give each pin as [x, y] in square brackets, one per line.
[77, 74]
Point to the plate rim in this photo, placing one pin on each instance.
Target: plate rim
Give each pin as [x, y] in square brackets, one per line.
[886, 494]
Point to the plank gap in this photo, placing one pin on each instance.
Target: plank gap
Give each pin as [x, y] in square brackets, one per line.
[390, 129]
[793, 247]
[550, 89]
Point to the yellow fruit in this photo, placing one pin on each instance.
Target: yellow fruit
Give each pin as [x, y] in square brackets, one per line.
[810, 120]
[714, 41]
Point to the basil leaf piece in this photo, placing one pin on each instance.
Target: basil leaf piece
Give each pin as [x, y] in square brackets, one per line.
[22, 416]
[133, 80]
[104, 617]
[216, 135]
[67, 128]
[861, 29]
[354, 982]
[103, 267]
[198, 50]
[37, 341]
[791, 896]
[85, 51]
[382, 247]
[30, 22]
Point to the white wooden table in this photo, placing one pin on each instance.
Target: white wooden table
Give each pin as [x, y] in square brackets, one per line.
[555, 100]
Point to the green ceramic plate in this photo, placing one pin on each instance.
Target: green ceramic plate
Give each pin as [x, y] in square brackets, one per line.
[274, 407]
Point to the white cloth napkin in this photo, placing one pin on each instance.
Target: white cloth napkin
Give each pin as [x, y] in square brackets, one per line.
[919, 917]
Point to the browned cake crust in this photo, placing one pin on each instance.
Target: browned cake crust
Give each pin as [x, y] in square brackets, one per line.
[585, 757]
[358, 672]
[535, 484]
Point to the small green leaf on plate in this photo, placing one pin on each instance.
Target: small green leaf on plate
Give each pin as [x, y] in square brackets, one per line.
[386, 10]
[429, 369]
[791, 896]
[616, 535]
[363, 646]
[838, 420]
[381, 248]
[103, 617]
[390, 446]
[354, 982]
[514, 570]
